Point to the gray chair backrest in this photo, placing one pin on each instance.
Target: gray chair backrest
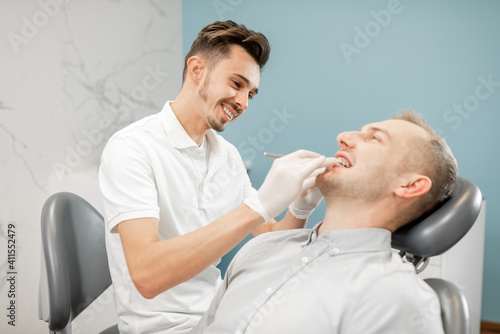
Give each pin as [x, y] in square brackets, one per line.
[454, 309]
[435, 233]
[75, 256]
[439, 230]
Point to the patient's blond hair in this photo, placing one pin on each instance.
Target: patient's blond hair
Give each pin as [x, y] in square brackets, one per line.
[431, 157]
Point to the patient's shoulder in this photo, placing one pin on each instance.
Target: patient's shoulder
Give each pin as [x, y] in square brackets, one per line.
[263, 245]
[397, 282]
[270, 240]
[400, 297]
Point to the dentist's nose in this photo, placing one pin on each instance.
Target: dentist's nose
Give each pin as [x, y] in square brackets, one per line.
[242, 100]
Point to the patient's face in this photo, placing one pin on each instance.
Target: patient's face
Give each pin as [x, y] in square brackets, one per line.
[376, 154]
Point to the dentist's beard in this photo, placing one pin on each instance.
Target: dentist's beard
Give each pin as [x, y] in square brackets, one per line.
[219, 127]
[204, 95]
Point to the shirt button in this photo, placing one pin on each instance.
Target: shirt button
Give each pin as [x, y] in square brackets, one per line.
[269, 291]
[305, 259]
[335, 250]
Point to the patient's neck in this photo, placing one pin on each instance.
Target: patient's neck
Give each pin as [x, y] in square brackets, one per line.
[342, 215]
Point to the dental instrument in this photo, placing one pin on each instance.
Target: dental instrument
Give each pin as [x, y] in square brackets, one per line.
[339, 161]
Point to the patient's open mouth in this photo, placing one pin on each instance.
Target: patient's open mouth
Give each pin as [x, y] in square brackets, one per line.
[343, 162]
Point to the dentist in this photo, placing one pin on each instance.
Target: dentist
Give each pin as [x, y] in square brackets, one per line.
[177, 196]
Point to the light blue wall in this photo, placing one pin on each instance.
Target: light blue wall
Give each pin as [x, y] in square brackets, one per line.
[430, 56]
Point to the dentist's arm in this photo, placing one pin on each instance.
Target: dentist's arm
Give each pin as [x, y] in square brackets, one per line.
[156, 266]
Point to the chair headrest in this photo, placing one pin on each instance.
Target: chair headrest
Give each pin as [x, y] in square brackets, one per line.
[436, 232]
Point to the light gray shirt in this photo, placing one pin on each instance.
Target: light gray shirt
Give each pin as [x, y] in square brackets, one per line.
[345, 281]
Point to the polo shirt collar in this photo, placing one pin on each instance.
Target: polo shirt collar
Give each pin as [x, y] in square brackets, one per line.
[174, 129]
[352, 240]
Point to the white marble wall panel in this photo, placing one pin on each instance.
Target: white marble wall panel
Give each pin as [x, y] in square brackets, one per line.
[71, 74]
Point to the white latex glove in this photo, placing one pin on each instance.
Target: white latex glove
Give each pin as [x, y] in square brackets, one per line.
[309, 197]
[284, 182]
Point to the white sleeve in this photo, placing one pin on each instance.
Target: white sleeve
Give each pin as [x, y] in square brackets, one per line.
[127, 182]
[396, 305]
[248, 190]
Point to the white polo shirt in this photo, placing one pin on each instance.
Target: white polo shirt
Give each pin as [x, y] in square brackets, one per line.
[152, 168]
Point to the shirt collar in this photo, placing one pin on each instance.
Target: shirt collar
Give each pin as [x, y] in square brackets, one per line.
[174, 129]
[352, 240]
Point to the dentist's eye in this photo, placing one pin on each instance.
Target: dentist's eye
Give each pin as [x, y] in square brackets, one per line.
[375, 138]
[237, 84]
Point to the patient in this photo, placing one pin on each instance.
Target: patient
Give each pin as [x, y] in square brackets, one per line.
[342, 276]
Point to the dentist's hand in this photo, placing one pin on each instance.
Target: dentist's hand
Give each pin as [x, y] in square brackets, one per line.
[284, 182]
[309, 197]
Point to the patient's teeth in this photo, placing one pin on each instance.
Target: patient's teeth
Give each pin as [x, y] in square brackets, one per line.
[343, 162]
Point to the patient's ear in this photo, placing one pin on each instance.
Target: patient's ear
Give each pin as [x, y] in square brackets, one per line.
[413, 186]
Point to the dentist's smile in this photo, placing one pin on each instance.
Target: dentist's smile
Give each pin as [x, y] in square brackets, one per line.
[229, 112]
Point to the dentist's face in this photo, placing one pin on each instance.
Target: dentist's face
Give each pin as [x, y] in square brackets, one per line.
[228, 87]
[378, 153]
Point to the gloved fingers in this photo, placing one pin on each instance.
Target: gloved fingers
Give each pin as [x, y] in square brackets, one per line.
[330, 161]
[301, 162]
[316, 172]
[311, 165]
[319, 163]
[309, 183]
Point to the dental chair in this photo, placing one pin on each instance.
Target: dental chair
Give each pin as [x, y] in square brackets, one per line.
[77, 269]
[74, 261]
[432, 235]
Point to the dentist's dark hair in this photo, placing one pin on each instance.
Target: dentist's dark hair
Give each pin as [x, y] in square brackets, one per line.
[214, 43]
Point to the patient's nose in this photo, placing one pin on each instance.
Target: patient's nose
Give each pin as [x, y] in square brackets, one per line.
[347, 139]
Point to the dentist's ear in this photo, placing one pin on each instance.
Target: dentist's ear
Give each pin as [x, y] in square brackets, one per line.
[195, 68]
[413, 186]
